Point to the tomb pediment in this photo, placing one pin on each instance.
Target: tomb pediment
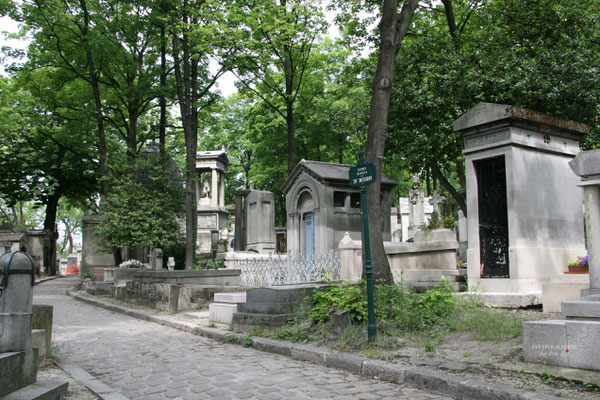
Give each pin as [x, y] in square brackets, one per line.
[325, 173]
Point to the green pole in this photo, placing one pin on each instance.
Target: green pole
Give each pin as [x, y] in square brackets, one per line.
[372, 327]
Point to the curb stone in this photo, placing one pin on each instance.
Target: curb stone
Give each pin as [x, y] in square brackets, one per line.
[420, 378]
[99, 388]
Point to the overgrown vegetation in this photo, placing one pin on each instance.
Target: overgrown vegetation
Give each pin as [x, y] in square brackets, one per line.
[402, 314]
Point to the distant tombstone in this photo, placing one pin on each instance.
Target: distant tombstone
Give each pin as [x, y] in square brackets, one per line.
[260, 221]
[436, 200]
[157, 257]
[171, 263]
[523, 200]
[395, 225]
[416, 207]
[91, 255]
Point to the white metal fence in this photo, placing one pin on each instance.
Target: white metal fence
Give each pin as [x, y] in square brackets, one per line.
[281, 270]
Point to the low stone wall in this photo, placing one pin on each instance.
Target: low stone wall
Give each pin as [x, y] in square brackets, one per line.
[431, 254]
[173, 297]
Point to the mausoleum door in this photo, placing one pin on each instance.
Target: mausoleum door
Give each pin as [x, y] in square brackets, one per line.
[309, 234]
[493, 217]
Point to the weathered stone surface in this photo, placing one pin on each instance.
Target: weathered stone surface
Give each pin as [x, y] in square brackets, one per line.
[348, 362]
[15, 303]
[546, 341]
[17, 370]
[534, 150]
[41, 390]
[42, 316]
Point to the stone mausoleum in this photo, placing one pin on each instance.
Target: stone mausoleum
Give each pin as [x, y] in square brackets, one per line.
[321, 206]
[210, 192]
[523, 199]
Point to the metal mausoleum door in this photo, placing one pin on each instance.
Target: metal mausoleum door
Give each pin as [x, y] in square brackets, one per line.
[493, 217]
[309, 234]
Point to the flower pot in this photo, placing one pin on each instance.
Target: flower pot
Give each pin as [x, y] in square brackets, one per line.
[578, 270]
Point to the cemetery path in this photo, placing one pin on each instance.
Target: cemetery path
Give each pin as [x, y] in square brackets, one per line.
[144, 360]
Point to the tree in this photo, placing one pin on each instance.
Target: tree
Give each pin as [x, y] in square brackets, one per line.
[192, 25]
[143, 206]
[273, 60]
[393, 28]
[44, 177]
[504, 51]
[69, 217]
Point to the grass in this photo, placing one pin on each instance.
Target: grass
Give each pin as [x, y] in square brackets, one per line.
[403, 316]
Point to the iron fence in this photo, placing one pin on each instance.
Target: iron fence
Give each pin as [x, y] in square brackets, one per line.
[282, 270]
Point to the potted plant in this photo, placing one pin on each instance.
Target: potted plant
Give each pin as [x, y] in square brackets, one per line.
[578, 266]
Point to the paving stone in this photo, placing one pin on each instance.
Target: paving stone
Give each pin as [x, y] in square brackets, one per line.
[164, 363]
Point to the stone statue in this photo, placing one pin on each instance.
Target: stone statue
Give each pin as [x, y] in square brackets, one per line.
[206, 189]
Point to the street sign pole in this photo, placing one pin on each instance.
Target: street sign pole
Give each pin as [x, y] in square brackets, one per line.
[362, 175]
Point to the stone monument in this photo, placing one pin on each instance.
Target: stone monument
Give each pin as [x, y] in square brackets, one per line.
[18, 360]
[321, 206]
[260, 221]
[574, 340]
[212, 214]
[416, 213]
[91, 255]
[523, 201]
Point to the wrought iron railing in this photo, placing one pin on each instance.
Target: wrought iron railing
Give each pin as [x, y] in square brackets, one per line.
[282, 270]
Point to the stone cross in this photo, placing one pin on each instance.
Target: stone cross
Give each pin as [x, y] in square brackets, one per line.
[436, 200]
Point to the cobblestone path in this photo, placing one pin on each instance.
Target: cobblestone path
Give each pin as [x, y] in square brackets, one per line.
[143, 360]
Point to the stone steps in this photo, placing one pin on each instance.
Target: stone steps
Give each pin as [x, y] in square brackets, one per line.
[225, 306]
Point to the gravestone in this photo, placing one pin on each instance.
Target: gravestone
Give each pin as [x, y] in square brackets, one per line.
[260, 221]
[574, 341]
[18, 360]
[522, 198]
[416, 215]
[321, 206]
[436, 200]
[91, 255]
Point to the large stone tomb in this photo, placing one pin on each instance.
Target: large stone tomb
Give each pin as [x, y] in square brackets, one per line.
[321, 206]
[523, 202]
[574, 340]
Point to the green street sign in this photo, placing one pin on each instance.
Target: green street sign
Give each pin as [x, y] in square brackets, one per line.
[362, 174]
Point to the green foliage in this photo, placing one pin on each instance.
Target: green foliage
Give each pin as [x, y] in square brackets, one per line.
[143, 206]
[216, 263]
[90, 275]
[339, 297]
[395, 306]
[449, 222]
[435, 221]
[488, 324]
[294, 331]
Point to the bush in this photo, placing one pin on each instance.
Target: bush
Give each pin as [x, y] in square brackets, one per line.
[395, 306]
[339, 297]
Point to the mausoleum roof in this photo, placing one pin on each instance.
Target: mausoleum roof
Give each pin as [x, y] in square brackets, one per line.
[484, 113]
[325, 173]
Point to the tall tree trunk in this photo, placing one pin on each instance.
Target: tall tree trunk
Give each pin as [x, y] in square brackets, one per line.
[289, 109]
[393, 28]
[162, 127]
[188, 109]
[49, 250]
[95, 82]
